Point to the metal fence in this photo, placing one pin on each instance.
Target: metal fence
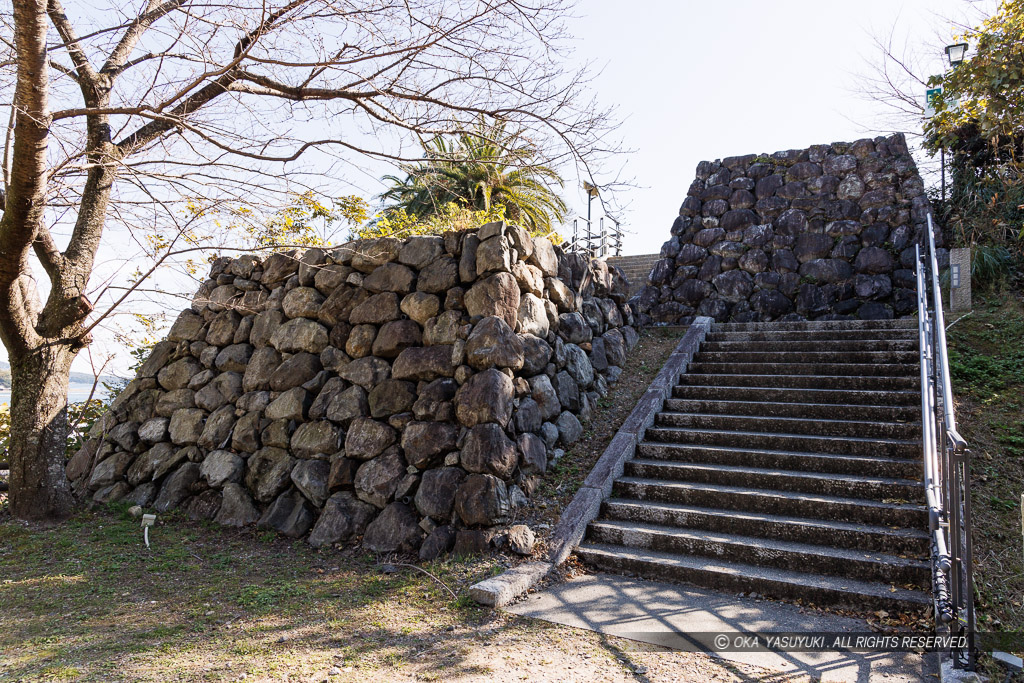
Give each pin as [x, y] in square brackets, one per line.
[947, 468]
[597, 239]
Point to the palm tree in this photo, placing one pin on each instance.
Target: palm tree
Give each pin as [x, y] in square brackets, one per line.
[481, 169]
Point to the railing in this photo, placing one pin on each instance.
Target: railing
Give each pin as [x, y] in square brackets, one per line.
[599, 242]
[947, 468]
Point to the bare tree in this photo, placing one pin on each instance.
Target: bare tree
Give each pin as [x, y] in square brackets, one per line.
[896, 71]
[119, 115]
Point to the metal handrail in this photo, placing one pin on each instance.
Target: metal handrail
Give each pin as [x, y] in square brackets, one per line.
[598, 242]
[940, 322]
[946, 465]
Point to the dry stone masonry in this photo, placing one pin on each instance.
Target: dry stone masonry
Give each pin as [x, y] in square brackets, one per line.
[405, 392]
[817, 234]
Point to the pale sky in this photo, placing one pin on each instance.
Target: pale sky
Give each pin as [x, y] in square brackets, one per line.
[694, 80]
[705, 80]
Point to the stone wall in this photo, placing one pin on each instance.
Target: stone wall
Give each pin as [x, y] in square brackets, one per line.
[408, 393]
[822, 233]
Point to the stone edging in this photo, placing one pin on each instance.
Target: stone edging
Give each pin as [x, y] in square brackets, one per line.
[500, 590]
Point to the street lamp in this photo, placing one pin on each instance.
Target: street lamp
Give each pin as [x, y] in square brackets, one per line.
[955, 53]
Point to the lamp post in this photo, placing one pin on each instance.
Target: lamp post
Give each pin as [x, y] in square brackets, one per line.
[592, 192]
[955, 54]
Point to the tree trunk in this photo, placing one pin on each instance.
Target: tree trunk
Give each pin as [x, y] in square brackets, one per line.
[39, 489]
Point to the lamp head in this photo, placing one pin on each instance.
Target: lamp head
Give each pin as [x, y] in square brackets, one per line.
[955, 53]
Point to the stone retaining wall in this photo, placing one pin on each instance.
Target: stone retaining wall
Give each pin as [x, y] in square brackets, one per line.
[408, 393]
[822, 233]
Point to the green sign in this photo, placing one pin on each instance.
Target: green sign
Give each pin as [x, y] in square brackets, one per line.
[931, 96]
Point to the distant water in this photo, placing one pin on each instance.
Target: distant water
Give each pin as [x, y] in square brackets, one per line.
[76, 393]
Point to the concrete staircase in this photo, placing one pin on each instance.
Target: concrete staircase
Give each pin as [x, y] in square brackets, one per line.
[636, 268]
[787, 463]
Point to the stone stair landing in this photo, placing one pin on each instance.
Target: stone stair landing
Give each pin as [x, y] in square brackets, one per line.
[786, 463]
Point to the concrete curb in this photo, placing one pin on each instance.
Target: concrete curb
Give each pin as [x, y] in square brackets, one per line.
[500, 590]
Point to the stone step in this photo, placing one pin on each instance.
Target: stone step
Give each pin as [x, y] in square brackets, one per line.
[888, 448]
[817, 356]
[797, 504]
[810, 588]
[787, 462]
[763, 552]
[800, 344]
[828, 484]
[775, 394]
[791, 425]
[866, 465]
[870, 537]
[858, 382]
[799, 368]
[803, 335]
[841, 411]
[819, 325]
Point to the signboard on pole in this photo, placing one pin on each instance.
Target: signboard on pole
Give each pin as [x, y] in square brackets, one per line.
[931, 96]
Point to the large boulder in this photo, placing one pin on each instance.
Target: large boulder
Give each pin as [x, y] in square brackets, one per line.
[485, 397]
[497, 295]
[300, 334]
[377, 480]
[295, 371]
[544, 257]
[435, 497]
[390, 277]
[420, 306]
[390, 397]
[493, 344]
[487, 450]
[543, 392]
[424, 442]
[396, 336]
[424, 363]
[482, 500]
[396, 529]
[268, 472]
[367, 438]
[289, 515]
[186, 426]
[236, 507]
[177, 487]
[302, 302]
[532, 316]
[578, 365]
[221, 467]
[420, 251]
[310, 477]
[344, 517]
[319, 438]
[439, 276]
[347, 406]
[376, 310]
[366, 372]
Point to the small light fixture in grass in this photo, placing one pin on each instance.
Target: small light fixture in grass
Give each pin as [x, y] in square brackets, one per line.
[147, 521]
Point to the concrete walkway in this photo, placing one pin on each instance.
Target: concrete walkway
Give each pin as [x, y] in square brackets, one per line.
[661, 614]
